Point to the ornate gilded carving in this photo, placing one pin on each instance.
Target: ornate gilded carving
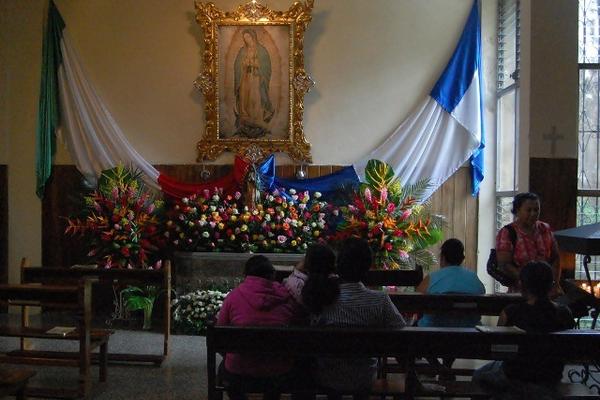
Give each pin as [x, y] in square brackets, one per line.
[215, 81]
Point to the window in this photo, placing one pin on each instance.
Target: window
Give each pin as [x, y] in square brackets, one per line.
[588, 182]
[507, 111]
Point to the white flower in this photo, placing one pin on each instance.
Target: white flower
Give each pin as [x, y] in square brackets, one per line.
[292, 191]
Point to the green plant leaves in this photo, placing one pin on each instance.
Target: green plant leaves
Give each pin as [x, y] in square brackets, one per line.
[378, 175]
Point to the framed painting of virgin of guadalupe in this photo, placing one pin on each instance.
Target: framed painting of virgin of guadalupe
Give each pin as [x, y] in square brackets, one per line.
[254, 79]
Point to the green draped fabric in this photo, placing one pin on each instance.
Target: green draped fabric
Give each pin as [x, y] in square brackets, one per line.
[48, 112]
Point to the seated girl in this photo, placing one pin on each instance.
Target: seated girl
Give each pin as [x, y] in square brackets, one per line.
[529, 377]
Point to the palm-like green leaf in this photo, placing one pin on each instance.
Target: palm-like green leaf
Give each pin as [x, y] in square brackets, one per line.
[424, 258]
[416, 190]
[118, 176]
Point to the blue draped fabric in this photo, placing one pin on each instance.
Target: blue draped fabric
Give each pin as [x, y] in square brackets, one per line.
[327, 184]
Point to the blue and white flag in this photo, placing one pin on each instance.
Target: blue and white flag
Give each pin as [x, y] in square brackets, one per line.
[447, 128]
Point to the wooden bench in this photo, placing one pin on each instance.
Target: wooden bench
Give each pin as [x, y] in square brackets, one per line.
[160, 278]
[14, 382]
[76, 299]
[573, 346]
[374, 278]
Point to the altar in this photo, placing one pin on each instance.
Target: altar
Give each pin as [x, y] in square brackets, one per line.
[200, 269]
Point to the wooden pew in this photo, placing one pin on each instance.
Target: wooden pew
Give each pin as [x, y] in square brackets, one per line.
[375, 278]
[574, 346]
[76, 299]
[160, 278]
[483, 304]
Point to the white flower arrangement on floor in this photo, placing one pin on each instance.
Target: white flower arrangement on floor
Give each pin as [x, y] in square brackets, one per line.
[192, 311]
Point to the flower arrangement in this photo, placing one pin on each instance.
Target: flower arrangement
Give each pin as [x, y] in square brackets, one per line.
[192, 311]
[121, 221]
[391, 217]
[282, 222]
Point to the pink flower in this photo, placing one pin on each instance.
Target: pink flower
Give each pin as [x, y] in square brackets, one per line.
[405, 214]
[281, 239]
[403, 254]
[391, 207]
[368, 196]
[383, 196]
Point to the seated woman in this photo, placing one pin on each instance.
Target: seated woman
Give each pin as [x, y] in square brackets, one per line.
[258, 300]
[527, 239]
[452, 277]
[319, 261]
[529, 377]
[354, 306]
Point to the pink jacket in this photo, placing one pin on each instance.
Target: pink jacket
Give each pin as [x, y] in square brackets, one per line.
[257, 301]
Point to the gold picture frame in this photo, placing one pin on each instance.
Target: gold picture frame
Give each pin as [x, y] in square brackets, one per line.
[254, 80]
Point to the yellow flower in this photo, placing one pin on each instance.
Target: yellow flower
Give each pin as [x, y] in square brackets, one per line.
[244, 228]
[233, 218]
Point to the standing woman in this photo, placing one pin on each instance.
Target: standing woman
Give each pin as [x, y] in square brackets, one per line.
[531, 240]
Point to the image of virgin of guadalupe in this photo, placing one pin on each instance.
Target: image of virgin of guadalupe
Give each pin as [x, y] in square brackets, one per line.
[252, 75]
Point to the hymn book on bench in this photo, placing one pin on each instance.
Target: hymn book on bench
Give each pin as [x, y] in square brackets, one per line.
[61, 330]
[499, 329]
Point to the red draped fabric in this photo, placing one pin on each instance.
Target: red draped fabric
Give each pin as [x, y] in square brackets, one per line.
[228, 183]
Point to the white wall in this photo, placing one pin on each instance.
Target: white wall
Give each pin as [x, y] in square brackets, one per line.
[372, 61]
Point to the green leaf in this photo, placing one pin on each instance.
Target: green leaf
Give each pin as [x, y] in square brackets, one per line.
[378, 175]
[134, 303]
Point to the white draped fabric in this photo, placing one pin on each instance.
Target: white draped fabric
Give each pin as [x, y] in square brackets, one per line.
[431, 143]
[94, 139]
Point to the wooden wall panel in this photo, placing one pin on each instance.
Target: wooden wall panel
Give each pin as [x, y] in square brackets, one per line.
[555, 181]
[453, 200]
[62, 198]
[3, 227]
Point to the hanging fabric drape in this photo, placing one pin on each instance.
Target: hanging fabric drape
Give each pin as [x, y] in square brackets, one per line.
[327, 185]
[48, 112]
[229, 184]
[446, 129]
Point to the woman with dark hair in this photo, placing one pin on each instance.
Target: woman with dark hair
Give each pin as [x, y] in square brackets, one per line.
[316, 270]
[354, 306]
[258, 300]
[530, 377]
[527, 239]
[452, 277]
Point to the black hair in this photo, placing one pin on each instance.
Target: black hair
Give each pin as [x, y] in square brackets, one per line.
[319, 258]
[259, 266]
[321, 288]
[537, 279]
[453, 251]
[521, 198]
[354, 259]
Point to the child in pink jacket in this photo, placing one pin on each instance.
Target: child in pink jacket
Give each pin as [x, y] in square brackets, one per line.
[258, 300]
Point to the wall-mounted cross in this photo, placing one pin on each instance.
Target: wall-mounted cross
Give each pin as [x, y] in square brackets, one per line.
[553, 137]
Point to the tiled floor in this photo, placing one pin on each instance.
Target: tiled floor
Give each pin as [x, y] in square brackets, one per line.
[182, 376]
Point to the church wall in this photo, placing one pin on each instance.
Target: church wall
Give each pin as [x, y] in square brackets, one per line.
[554, 110]
[372, 61]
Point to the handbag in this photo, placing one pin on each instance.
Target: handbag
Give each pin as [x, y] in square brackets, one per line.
[492, 266]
